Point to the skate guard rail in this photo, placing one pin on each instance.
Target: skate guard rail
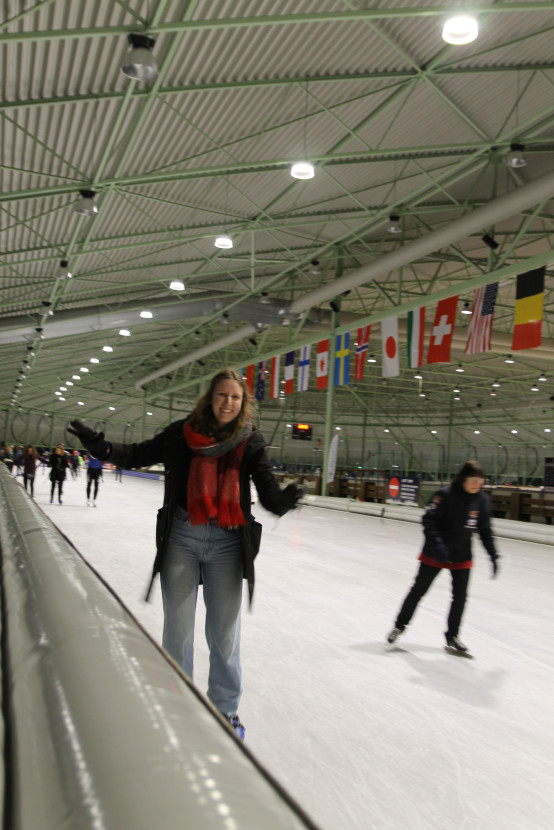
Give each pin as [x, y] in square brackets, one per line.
[99, 728]
[503, 528]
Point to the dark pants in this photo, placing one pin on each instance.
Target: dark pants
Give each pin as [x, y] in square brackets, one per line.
[423, 581]
[93, 475]
[59, 482]
[29, 479]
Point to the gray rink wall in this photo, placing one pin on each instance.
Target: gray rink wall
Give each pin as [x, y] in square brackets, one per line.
[99, 728]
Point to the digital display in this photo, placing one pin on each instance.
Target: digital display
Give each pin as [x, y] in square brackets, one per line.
[303, 432]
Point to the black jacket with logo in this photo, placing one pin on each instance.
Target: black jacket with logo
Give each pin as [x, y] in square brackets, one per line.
[451, 516]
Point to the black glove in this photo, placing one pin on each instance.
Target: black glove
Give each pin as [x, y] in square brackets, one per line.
[494, 565]
[440, 551]
[292, 494]
[91, 440]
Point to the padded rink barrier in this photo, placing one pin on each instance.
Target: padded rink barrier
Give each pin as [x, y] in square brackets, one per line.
[101, 729]
[542, 534]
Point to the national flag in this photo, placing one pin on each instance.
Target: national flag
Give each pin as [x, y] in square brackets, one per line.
[416, 333]
[341, 359]
[275, 371]
[289, 373]
[442, 331]
[528, 310]
[389, 343]
[304, 368]
[250, 379]
[260, 385]
[361, 351]
[322, 364]
[480, 325]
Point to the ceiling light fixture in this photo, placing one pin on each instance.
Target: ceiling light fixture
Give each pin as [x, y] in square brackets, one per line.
[139, 63]
[76, 377]
[94, 360]
[515, 157]
[107, 349]
[125, 332]
[542, 378]
[302, 170]
[314, 267]
[509, 359]
[466, 309]
[64, 272]
[225, 319]
[83, 369]
[85, 206]
[224, 242]
[146, 315]
[460, 368]
[496, 384]
[490, 242]
[534, 388]
[460, 30]
[177, 285]
[394, 224]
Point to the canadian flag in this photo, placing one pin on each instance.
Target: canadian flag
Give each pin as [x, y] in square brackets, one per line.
[389, 342]
[275, 370]
[322, 364]
[442, 331]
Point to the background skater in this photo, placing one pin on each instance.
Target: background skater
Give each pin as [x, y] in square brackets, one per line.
[94, 474]
[58, 467]
[451, 516]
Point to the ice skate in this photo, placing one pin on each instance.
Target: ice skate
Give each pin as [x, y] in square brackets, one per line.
[395, 633]
[234, 720]
[455, 646]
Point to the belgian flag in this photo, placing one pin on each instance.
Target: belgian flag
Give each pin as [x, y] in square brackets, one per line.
[528, 309]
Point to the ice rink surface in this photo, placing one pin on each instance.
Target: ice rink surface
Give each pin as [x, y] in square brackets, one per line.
[366, 737]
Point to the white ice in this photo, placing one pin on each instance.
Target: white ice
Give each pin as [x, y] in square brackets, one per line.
[364, 736]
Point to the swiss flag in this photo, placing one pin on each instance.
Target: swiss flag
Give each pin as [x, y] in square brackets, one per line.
[322, 364]
[442, 331]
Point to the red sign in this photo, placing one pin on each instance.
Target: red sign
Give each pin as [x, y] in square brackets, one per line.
[394, 487]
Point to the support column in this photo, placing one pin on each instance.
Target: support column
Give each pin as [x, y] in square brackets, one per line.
[329, 406]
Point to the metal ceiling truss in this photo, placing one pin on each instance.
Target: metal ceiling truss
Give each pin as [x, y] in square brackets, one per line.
[364, 174]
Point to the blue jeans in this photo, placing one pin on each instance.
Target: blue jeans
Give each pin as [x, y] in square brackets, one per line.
[214, 554]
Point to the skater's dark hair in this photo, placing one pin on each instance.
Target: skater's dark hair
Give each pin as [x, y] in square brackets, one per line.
[471, 469]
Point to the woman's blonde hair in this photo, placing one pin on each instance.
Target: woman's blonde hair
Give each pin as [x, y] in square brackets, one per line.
[203, 420]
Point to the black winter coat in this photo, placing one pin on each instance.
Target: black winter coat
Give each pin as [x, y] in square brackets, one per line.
[451, 516]
[171, 449]
[59, 465]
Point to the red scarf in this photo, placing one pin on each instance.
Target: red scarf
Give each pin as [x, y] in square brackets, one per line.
[213, 488]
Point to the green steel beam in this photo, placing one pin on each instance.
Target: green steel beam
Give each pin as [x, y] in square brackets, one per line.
[293, 80]
[187, 26]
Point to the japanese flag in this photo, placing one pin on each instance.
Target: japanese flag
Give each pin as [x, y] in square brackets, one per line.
[389, 341]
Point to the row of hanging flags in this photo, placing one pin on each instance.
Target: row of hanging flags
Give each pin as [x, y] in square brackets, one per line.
[526, 335]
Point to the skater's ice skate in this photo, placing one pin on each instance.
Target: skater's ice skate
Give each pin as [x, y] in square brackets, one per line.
[455, 646]
[395, 633]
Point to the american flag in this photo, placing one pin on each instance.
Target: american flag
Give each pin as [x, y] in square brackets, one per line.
[480, 325]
